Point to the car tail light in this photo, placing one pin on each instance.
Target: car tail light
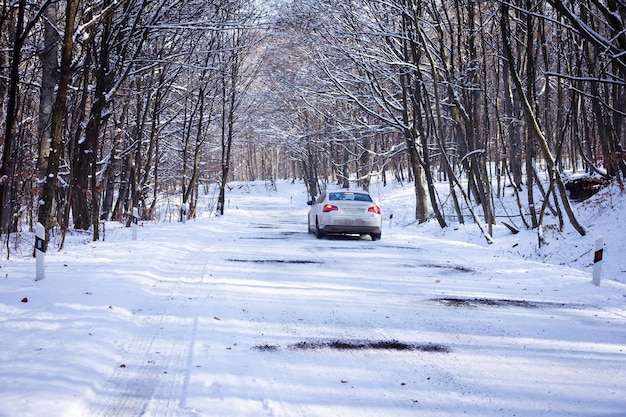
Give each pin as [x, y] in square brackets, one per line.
[374, 209]
[329, 207]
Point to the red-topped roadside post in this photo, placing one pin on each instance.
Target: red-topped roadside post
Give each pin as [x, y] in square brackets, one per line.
[597, 261]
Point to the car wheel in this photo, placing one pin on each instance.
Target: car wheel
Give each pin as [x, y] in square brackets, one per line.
[318, 233]
[308, 227]
[375, 236]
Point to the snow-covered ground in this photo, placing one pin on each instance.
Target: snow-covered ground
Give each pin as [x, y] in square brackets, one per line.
[248, 315]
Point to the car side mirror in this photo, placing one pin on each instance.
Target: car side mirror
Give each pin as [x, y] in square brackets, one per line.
[309, 203]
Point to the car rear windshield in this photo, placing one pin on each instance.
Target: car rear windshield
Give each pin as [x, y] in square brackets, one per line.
[347, 195]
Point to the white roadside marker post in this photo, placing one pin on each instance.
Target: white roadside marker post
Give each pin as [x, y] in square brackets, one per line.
[135, 222]
[597, 261]
[40, 251]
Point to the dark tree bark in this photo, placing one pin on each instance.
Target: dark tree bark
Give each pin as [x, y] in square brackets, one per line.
[229, 85]
[8, 162]
[58, 116]
[49, 80]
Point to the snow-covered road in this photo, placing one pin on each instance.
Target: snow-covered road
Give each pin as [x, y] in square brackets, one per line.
[248, 315]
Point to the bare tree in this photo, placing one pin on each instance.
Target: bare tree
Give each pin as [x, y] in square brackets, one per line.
[133, 100]
[238, 64]
[534, 123]
[56, 131]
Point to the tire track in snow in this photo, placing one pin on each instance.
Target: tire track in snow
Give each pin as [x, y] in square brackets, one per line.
[154, 373]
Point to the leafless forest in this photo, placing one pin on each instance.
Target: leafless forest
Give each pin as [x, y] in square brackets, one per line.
[111, 105]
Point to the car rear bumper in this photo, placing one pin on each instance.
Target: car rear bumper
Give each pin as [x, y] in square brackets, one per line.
[356, 229]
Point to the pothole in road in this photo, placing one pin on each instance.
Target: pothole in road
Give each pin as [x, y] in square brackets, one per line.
[347, 248]
[351, 345]
[490, 302]
[459, 268]
[279, 236]
[275, 261]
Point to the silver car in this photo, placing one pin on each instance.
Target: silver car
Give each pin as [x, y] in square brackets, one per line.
[345, 212]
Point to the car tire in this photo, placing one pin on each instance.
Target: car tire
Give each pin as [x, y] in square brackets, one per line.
[375, 236]
[318, 232]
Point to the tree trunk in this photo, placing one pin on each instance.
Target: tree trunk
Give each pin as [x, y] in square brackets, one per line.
[8, 162]
[49, 80]
[123, 194]
[58, 115]
[111, 175]
[228, 116]
[421, 200]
